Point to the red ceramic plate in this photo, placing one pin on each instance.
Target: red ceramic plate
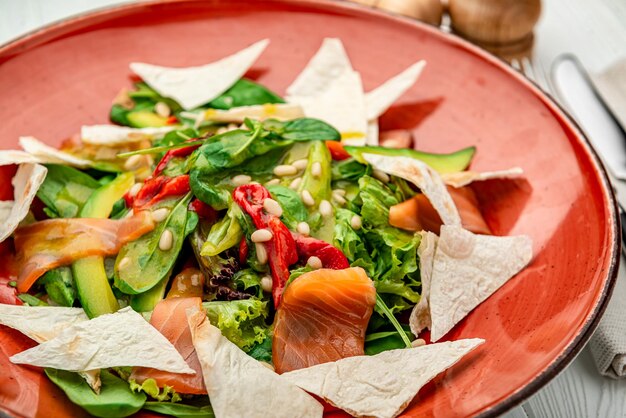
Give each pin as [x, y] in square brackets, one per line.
[66, 75]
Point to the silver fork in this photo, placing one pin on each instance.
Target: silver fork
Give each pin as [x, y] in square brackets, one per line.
[534, 73]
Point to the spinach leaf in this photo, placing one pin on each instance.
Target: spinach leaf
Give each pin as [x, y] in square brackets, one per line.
[262, 351]
[59, 285]
[114, 400]
[146, 264]
[349, 169]
[65, 190]
[180, 410]
[302, 129]
[294, 211]
[224, 234]
[241, 321]
[244, 93]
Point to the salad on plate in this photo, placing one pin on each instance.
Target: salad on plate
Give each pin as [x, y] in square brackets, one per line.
[222, 250]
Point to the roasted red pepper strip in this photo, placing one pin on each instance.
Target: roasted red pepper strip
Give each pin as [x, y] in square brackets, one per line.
[173, 153]
[281, 249]
[157, 189]
[243, 250]
[331, 257]
[337, 152]
[203, 210]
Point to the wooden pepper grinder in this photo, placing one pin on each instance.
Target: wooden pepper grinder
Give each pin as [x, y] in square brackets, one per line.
[429, 11]
[503, 27]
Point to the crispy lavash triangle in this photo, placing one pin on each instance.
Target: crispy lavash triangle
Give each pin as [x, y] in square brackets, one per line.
[467, 269]
[379, 100]
[49, 155]
[420, 315]
[120, 339]
[110, 135]
[26, 183]
[240, 386]
[463, 178]
[42, 324]
[382, 385]
[5, 209]
[279, 111]
[194, 86]
[424, 177]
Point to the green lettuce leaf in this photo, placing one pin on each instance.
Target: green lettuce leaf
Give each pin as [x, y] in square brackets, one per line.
[224, 234]
[262, 351]
[65, 190]
[241, 321]
[150, 387]
[244, 93]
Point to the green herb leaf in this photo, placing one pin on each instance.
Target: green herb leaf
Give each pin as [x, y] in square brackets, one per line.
[116, 399]
[244, 93]
[294, 210]
[303, 129]
[382, 308]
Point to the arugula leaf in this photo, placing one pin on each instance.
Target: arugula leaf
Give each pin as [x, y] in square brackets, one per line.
[148, 264]
[180, 410]
[241, 321]
[65, 190]
[294, 211]
[115, 399]
[59, 285]
[244, 93]
[382, 308]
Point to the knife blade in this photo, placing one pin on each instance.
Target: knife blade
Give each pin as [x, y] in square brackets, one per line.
[575, 90]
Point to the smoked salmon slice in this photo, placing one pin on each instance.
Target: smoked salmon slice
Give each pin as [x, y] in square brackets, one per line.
[322, 317]
[44, 245]
[170, 319]
[418, 214]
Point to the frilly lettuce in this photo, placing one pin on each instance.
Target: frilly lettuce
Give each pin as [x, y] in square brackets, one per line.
[241, 321]
[150, 387]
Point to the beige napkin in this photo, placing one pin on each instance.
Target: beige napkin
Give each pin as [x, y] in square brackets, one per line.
[608, 344]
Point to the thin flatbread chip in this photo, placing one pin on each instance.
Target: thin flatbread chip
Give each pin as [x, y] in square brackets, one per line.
[463, 178]
[382, 385]
[279, 111]
[120, 339]
[424, 177]
[26, 183]
[5, 209]
[240, 386]
[420, 315]
[8, 157]
[40, 323]
[110, 135]
[381, 98]
[467, 269]
[194, 86]
[327, 65]
[372, 133]
[49, 155]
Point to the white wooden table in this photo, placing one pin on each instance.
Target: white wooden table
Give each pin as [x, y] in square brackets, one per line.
[595, 30]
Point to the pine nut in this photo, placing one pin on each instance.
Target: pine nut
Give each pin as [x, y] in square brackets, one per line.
[135, 189]
[356, 222]
[273, 182]
[325, 208]
[124, 263]
[266, 283]
[285, 170]
[295, 183]
[381, 175]
[162, 110]
[316, 169]
[166, 241]
[418, 342]
[272, 207]
[340, 192]
[241, 179]
[261, 235]
[303, 228]
[314, 262]
[300, 164]
[134, 162]
[307, 198]
[261, 253]
[339, 199]
[160, 215]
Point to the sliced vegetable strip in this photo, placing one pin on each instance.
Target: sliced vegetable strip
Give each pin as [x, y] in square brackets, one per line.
[331, 257]
[45, 245]
[281, 249]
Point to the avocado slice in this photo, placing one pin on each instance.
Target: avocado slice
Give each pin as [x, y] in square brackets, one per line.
[146, 301]
[443, 163]
[145, 119]
[92, 285]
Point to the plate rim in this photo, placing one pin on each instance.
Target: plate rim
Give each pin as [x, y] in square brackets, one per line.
[19, 45]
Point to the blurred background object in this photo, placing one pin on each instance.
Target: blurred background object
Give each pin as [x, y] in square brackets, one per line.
[503, 27]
